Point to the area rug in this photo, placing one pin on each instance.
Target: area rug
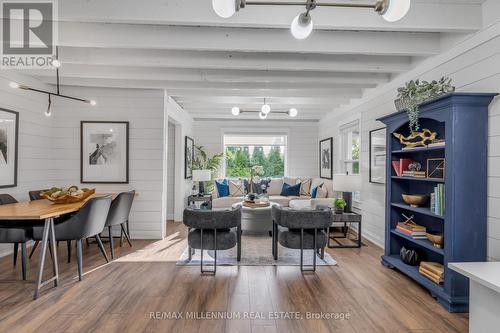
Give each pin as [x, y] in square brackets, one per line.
[256, 251]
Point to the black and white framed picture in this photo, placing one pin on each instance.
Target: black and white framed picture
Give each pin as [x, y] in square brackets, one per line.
[377, 155]
[188, 158]
[104, 152]
[9, 137]
[325, 158]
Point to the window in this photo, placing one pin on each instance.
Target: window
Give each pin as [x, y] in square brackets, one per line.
[244, 151]
[350, 145]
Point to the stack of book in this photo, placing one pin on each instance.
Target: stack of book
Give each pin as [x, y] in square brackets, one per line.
[417, 174]
[401, 165]
[432, 270]
[415, 231]
[437, 143]
[437, 200]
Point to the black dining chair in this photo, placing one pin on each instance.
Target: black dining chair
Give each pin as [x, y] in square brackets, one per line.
[14, 232]
[118, 215]
[88, 222]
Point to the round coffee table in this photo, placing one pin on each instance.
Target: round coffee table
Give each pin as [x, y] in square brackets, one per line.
[258, 220]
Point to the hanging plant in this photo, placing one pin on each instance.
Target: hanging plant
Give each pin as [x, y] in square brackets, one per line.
[417, 92]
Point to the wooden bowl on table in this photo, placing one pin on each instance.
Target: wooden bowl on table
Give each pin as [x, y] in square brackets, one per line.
[69, 198]
[415, 200]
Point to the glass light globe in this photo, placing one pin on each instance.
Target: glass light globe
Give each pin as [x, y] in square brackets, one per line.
[224, 8]
[93, 102]
[262, 115]
[56, 63]
[48, 113]
[14, 85]
[293, 112]
[235, 111]
[301, 26]
[396, 10]
[265, 109]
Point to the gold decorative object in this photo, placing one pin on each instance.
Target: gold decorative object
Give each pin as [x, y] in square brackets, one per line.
[69, 197]
[435, 168]
[436, 240]
[414, 200]
[426, 137]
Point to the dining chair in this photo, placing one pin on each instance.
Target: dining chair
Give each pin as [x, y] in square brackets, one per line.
[14, 232]
[88, 222]
[118, 215]
[301, 229]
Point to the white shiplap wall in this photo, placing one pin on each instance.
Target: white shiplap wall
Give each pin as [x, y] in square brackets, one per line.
[302, 157]
[144, 109]
[474, 67]
[34, 137]
[171, 171]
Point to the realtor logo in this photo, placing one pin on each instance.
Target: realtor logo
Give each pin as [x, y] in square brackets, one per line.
[29, 33]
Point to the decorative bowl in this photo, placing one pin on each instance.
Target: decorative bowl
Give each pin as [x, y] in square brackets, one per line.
[69, 198]
[415, 200]
[436, 239]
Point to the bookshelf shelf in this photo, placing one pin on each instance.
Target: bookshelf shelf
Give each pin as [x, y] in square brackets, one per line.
[460, 119]
[416, 150]
[432, 180]
[419, 242]
[419, 210]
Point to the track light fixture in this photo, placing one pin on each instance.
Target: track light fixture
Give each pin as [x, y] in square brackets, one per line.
[264, 111]
[302, 24]
[48, 113]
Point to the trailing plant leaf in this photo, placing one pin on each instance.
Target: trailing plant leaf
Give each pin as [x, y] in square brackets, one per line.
[417, 92]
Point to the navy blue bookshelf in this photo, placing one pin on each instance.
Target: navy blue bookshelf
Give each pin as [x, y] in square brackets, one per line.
[462, 120]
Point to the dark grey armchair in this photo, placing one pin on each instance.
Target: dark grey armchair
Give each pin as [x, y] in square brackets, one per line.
[118, 215]
[213, 230]
[89, 221]
[301, 229]
[14, 232]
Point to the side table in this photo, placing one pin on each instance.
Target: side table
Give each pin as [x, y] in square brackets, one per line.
[341, 220]
[204, 198]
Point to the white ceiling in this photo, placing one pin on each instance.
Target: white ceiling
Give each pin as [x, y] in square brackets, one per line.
[209, 64]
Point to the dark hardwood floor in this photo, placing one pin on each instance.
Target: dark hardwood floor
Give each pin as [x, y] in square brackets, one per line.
[121, 297]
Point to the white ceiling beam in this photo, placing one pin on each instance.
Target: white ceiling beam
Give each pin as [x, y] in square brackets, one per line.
[245, 39]
[226, 107]
[424, 15]
[171, 84]
[234, 60]
[261, 93]
[270, 99]
[211, 75]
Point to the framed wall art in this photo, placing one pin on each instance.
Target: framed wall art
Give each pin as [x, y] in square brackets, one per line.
[188, 157]
[326, 158]
[377, 155]
[104, 147]
[9, 138]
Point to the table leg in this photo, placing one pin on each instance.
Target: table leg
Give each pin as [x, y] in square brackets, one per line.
[48, 233]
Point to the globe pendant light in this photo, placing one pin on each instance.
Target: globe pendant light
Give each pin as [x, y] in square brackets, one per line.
[265, 109]
[395, 10]
[262, 115]
[224, 8]
[301, 26]
[235, 111]
[293, 112]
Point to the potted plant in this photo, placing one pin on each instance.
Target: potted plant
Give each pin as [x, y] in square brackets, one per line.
[339, 205]
[417, 92]
[256, 170]
[203, 162]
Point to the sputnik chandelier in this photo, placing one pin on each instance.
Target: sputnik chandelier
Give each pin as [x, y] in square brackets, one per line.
[302, 25]
[265, 110]
[56, 63]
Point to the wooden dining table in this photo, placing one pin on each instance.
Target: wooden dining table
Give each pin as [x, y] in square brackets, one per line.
[31, 213]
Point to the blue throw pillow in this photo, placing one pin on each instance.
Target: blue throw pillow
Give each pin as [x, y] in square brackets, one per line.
[290, 190]
[314, 192]
[222, 188]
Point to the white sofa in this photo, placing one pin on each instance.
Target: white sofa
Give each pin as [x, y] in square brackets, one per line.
[303, 201]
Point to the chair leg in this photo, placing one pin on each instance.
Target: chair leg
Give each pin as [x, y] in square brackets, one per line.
[79, 258]
[215, 254]
[275, 241]
[126, 235]
[23, 260]
[121, 237]
[128, 228]
[190, 253]
[87, 241]
[68, 243]
[16, 249]
[101, 247]
[322, 253]
[302, 251]
[239, 243]
[33, 248]
[111, 243]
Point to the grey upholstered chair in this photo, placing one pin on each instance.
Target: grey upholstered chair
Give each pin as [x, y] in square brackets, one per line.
[35, 194]
[14, 232]
[88, 222]
[213, 230]
[118, 215]
[301, 229]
